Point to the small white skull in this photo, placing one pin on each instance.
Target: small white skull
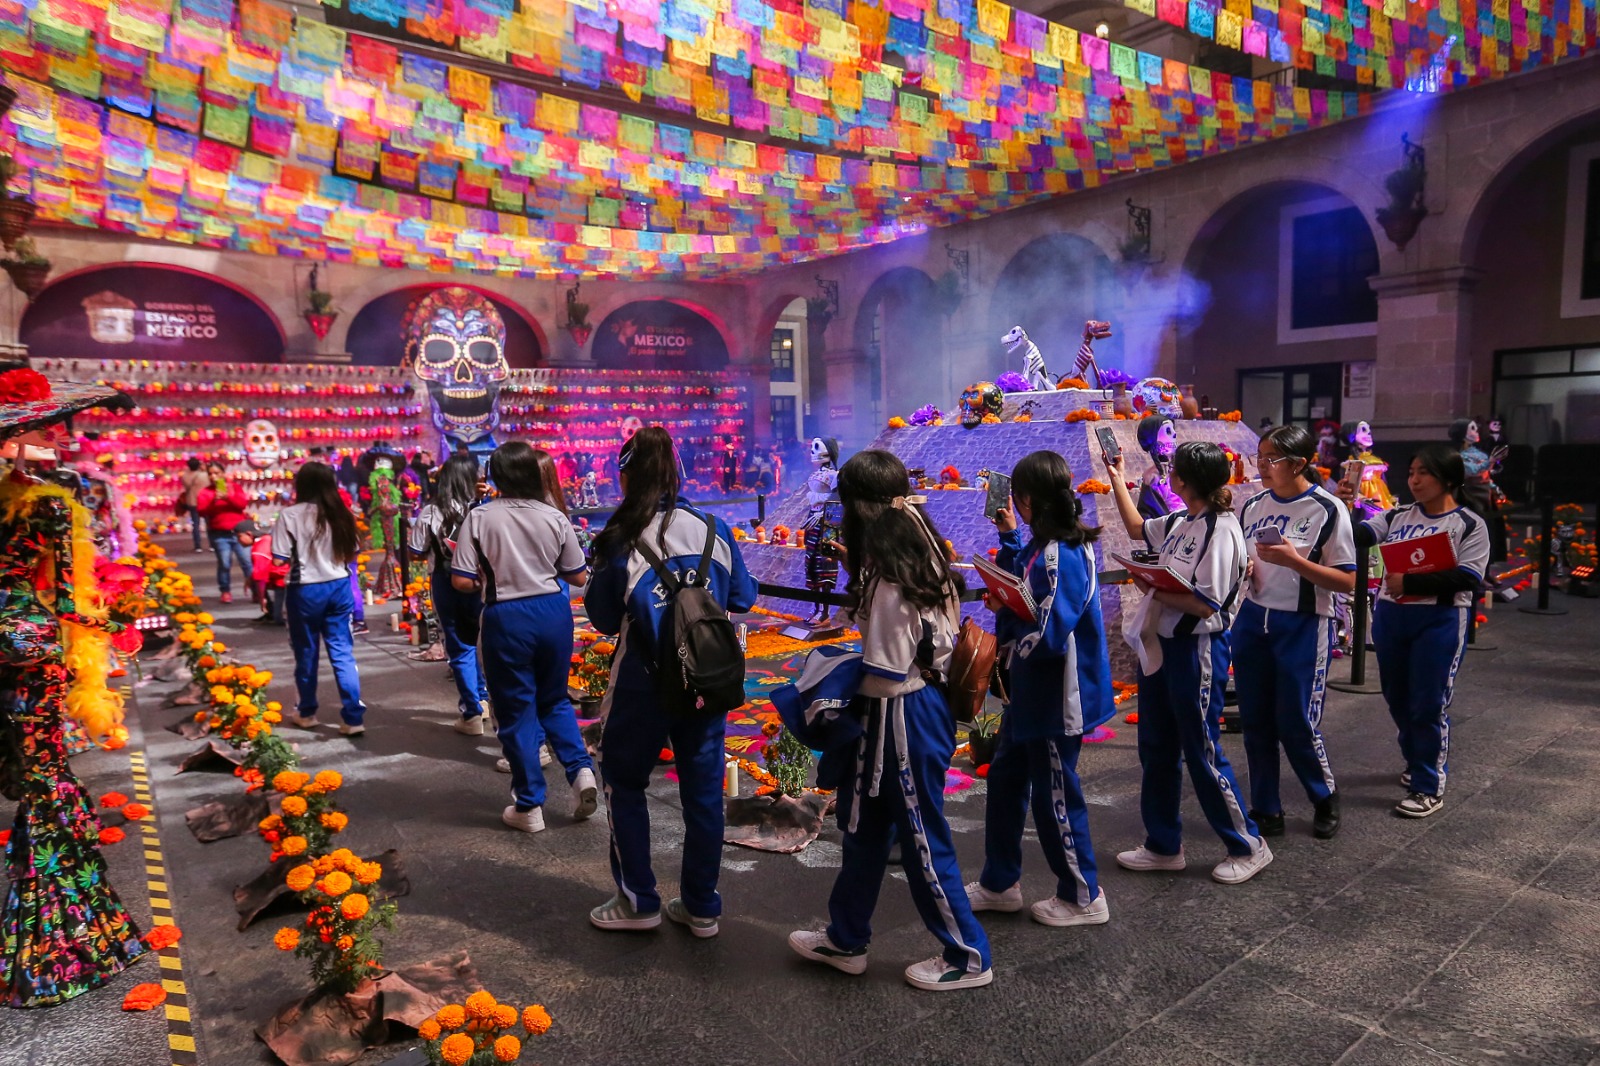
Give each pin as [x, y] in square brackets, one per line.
[261, 448]
[821, 454]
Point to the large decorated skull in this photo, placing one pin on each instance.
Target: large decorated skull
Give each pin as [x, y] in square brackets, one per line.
[261, 448]
[456, 342]
[1158, 396]
[980, 399]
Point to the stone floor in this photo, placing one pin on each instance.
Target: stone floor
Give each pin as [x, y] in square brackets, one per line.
[1466, 938]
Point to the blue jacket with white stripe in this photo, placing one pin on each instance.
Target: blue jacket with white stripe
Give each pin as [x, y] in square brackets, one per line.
[1060, 666]
[626, 598]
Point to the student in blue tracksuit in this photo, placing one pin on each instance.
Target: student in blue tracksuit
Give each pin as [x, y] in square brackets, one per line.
[517, 550]
[905, 600]
[1060, 686]
[1183, 657]
[434, 534]
[1301, 553]
[1419, 627]
[316, 536]
[627, 599]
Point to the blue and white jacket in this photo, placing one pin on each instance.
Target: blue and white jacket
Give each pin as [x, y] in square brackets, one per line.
[625, 598]
[1060, 667]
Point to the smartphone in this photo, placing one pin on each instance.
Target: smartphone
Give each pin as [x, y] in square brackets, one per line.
[1108, 443]
[1353, 470]
[1269, 535]
[999, 494]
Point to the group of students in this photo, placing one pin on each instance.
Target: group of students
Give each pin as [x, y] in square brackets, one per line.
[1262, 602]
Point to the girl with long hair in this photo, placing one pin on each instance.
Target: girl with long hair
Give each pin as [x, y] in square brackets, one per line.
[906, 601]
[434, 534]
[626, 598]
[1060, 687]
[1183, 664]
[317, 537]
[522, 553]
[1301, 553]
[1419, 626]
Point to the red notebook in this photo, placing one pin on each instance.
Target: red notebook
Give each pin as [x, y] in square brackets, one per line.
[1427, 554]
[1008, 588]
[1163, 578]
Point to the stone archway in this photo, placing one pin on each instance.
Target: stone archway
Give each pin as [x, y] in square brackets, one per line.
[1050, 287]
[899, 328]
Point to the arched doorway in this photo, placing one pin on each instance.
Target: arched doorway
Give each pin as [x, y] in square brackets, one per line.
[900, 327]
[1051, 287]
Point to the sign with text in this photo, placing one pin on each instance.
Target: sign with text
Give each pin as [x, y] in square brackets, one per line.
[658, 334]
[149, 311]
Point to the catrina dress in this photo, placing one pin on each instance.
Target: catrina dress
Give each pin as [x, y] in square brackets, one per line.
[66, 932]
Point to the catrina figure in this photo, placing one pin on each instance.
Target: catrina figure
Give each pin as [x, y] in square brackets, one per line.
[1373, 492]
[822, 569]
[1159, 439]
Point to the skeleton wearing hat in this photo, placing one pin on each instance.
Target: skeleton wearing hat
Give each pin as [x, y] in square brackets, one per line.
[822, 570]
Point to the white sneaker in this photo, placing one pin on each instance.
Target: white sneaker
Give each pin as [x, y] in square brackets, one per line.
[700, 927]
[615, 914]
[1419, 805]
[1142, 858]
[470, 726]
[816, 946]
[1405, 780]
[1060, 912]
[936, 975]
[530, 821]
[545, 756]
[503, 764]
[351, 730]
[1009, 901]
[584, 794]
[1237, 869]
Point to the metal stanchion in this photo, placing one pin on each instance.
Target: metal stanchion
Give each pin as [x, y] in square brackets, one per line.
[1547, 521]
[1473, 643]
[1358, 682]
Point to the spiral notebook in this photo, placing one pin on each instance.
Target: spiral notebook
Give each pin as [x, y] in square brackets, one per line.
[1010, 589]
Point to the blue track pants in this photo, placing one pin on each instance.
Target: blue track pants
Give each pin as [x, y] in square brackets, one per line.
[320, 613]
[1280, 669]
[1419, 648]
[449, 606]
[1046, 768]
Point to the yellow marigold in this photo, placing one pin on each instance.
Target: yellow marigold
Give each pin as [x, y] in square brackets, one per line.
[345, 943]
[505, 1016]
[293, 846]
[290, 780]
[507, 1048]
[428, 1030]
[354, 906]
[328, 780]
[287, 939]
[369, 873]
[334, 821]
[300, 878]
[274, 706]
[204, 619]
[480, 1006]
[457, 1049]
[536, 1019]
[294, 806]
[335, 884]
[272, 716]
[451, 1016]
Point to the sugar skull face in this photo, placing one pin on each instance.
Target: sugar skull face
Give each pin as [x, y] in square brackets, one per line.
[1158, 396]
[261, 448]
[980, 399]
[823, 452]
[1362, 438]
[1158, 437]
[1472, 432]
[455, 342]
[631, 425]
[1495, 427]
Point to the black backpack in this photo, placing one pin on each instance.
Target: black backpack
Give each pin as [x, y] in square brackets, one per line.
[699, 664]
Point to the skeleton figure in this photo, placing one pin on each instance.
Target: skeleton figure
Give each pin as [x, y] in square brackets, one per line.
[1373, 491]
[822, 570]
[590, 491]
[1159, 439]
[980, 399]
[455, 342]
[261, 448]
[1033, 367]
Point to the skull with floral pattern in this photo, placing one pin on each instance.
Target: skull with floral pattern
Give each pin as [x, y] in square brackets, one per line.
[979, 400]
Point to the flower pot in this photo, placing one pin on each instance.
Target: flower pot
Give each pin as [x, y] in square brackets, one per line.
[321, 323]
[16, 215]
[1400, 223]
[589, 706]
[28, 277]
[982, 749]
[580, 334]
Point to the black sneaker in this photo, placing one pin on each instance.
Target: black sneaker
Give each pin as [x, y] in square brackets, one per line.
[1419, 805]
[1325, 823]
[1269, 825]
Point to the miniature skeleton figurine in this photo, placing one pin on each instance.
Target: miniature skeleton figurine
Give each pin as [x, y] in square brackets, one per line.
[590, 491]
[1033, 367]
[1159, 438]
[822, 569]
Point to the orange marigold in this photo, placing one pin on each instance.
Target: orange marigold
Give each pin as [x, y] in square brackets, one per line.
[135, 811]
[369, 873]
[536, 1019]
[457, 1049]
[286, 939]
[354, 907]
[300, 878]
[113, 799]
[290, 780]
[451, 1016]
[328, 780]
[144, 997]
[505, 1016]
[112, 835]
[480, 1006]
[345, 943]
[293, 846]
[428, 1030]
[334, 821]
[336, 883]
[294, 806]
[507, 1048]
[162, 937]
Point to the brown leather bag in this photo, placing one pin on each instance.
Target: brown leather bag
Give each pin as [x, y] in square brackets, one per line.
[971, 670]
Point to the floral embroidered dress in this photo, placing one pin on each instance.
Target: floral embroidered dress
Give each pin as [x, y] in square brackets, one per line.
[65, 930]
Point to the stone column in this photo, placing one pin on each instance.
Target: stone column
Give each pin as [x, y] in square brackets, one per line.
[1423, 365]
[759, 375]
[846, 408]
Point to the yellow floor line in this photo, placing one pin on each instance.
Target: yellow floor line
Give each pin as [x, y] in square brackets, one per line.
[180, 1026]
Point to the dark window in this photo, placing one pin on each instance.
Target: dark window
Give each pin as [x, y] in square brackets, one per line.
[1334, 254]
[1589, 280]
[782, 355]
[783, 423]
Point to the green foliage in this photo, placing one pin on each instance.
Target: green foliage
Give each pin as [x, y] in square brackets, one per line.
[321, 302]
[26, 253]
[789, 761]
[271, 755]
[985, 725]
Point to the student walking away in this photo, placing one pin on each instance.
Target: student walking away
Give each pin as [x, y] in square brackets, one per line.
[1059, 687]
[433, 535]
[1301, 553]
[516, 550]
[1419, 626]
[271, 578]
[657, 559]
[316, 536]
[223, 507]
[191, 483]
[906, 602]
[1182, 641]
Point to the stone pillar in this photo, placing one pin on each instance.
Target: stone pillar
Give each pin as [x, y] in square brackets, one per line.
[846, 408]
[1423, 366]
[759, 375]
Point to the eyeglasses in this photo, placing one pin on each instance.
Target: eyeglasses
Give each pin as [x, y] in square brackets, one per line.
[1268, 460]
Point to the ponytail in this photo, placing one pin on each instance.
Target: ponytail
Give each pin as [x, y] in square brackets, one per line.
[1045, 481]
[1204, 468]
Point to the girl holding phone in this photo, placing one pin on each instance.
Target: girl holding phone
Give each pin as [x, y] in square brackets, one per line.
[1301, 552]
[1184, 655]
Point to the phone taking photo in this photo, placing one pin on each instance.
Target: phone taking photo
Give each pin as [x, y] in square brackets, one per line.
[1108, 443]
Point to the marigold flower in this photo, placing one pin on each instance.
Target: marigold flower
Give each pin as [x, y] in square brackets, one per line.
[204, 618]
[345, 943]
[505, 1016]
[335, 884]
[163, 936]
[287, 939]
[345, 859]
[480, 1006]
[270, 822]
[113, 799]
[135, 811]
[147, 996]
[324, 864]
[112, 835]
[334, 821]
[295, 845]
[353, 907]
[328, 780]
[294, 806]
[428, 1030]
[369, 873]
[300, 878]
[536, 1019]
[507, 1048]
[457, 1049]
[290, 780]
[771, 729]
[451, 1016]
